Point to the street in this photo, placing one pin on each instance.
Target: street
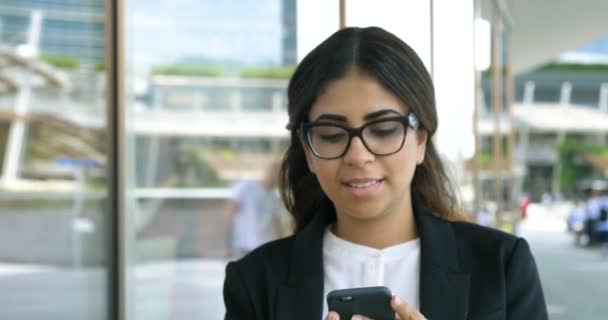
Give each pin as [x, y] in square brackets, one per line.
[575, 280]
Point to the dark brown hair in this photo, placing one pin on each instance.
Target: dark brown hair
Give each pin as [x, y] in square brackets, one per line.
[390, 61]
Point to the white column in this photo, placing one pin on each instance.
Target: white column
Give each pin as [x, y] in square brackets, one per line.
[409, 20]
[557, 168]
[152, 165]
[17, 131]
[316, 20]
[529, 88]
[16, 136]
[566, 93]
[453, 58]
[520, 160]
[277, 102]
[603, 100]
[236, 101]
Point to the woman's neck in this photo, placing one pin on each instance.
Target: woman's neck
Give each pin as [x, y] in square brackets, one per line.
[380, 232]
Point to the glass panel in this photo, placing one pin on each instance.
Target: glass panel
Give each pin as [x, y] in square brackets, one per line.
[53, 184]
[207, 108]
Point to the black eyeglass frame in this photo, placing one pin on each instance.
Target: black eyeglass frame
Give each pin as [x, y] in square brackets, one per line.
[407, 121]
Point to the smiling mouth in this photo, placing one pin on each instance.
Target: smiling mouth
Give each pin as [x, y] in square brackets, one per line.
[363, 184]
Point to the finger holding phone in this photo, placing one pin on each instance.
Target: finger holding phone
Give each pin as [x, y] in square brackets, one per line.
[405, 311]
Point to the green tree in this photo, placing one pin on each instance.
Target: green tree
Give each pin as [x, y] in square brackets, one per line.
[188, 70]
[267, 73]
[61, 62]
[574, 167]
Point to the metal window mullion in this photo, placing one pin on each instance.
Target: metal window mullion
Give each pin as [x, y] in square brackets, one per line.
[117, 258]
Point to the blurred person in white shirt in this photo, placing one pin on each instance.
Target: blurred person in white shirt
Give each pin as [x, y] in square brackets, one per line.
[254, 213]
[484, 218]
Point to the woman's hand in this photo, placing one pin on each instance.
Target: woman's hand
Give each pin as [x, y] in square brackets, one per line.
[403, 311]
[332, 316]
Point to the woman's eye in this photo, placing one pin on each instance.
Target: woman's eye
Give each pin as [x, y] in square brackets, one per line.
[335, 137]
[384, 132]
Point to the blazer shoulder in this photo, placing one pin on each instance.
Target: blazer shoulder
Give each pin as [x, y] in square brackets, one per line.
[484, 241]
[500, 262]
[250, 282]
[475, 232]
[268, 257]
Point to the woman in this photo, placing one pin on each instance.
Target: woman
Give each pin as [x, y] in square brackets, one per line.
[372, 203]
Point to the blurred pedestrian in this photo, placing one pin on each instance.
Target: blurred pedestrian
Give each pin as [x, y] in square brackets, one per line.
[602, 225]
[575, 215]
[592, 215]
[547, 199]
[484, 218]
[524, 203]
[254, 213]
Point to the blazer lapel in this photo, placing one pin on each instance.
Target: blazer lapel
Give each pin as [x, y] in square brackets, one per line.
[301, 298]
[444, 287]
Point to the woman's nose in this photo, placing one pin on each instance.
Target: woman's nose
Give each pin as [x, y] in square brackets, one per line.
[357, 154]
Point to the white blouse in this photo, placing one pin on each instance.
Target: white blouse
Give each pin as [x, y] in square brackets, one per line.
[350, 265]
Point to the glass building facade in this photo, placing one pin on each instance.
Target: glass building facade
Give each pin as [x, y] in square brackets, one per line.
[70, 28]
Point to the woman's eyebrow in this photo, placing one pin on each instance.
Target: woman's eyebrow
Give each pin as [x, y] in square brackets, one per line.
[380, 113]
[367, 117]
[333, 117]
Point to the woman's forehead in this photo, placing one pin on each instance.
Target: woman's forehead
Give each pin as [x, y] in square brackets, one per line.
[354, 96]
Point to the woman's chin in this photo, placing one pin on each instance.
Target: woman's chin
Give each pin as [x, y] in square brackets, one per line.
[363, 213]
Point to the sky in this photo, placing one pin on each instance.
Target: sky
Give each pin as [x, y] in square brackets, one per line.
[164, 31]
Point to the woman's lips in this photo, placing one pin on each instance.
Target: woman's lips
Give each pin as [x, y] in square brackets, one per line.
[363, 187]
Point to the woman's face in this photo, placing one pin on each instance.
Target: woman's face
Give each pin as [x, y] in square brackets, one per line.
[361, 185]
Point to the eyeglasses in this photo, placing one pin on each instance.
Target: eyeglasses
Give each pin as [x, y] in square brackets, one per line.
[380, 137]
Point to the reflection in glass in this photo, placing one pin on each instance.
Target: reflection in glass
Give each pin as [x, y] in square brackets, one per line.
[53, 224]
[208, 115]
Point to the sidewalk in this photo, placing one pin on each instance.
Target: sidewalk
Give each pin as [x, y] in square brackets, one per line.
[170, 290]
[546, 218]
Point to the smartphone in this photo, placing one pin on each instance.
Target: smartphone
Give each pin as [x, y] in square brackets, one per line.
[372, 302]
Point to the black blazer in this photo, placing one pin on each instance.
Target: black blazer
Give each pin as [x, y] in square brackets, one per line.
[466, 272]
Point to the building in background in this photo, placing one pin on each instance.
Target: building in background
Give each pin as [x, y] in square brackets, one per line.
[563, 101]
[190, 114]
[290, 32]
[69, 28]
